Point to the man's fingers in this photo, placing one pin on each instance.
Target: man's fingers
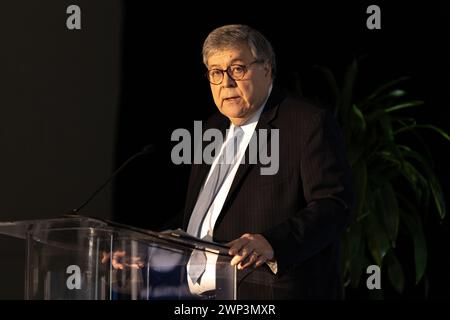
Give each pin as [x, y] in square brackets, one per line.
[243, 254]
[236, 246]
[236, 259]
[260, 262]
[231, 243]
[136, 266]
[119, 260]
[250, 261]
[136, 263]
[250, 250]
[117, 265]
[118, 255]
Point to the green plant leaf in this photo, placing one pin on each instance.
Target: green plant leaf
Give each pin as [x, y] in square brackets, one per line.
[360, 186]
[405, 122]
[438, 197]
[387, 202]
[377, 237]
[385, 99]
[395, 156]
[397, 93]
[416, 180]
[414, 225]
[424, 145]
[355, 239]
[386, 86]
[358, 123]
[431, 178]
[395, 271]
[384, 109]
[404, 105]
[357, 266]
[353, 255]
[386, 129]
[425, 126]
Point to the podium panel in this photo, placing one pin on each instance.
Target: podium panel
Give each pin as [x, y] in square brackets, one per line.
[82, 258]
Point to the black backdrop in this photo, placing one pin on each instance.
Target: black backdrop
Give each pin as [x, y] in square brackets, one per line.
[160, 43]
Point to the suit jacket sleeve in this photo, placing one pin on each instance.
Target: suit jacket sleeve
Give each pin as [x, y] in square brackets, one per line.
[327, 189]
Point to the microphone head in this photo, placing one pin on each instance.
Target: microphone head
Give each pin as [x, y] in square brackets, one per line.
[150, 148]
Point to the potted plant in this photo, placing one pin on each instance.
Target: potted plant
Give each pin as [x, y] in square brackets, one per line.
[393, 179]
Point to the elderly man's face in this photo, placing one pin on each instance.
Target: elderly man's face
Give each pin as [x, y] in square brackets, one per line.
[239, 99]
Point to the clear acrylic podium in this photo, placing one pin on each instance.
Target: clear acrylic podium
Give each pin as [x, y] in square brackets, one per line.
[81, 258]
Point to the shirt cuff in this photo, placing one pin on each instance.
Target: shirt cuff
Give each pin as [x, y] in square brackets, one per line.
[273, 266]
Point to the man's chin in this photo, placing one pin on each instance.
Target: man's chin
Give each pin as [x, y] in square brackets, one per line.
[234, 110]
[233, 115]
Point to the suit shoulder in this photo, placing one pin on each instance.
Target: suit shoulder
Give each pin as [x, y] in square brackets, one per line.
[297, 108]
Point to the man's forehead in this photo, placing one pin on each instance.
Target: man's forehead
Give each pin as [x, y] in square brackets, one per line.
[229, 55]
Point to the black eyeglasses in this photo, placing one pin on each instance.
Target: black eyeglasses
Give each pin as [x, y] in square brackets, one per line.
[235, 72]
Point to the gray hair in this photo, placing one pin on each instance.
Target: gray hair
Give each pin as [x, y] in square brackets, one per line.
[231, 36]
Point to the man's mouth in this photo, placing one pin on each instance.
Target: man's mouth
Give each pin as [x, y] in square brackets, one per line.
[231, 99]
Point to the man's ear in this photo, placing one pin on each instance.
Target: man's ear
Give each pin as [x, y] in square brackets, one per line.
[267, 69]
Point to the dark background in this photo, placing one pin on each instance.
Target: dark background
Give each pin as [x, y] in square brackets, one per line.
[59, 102]
[76, 104]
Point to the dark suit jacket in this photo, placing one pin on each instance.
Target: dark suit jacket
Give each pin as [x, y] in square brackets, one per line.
[302, 210]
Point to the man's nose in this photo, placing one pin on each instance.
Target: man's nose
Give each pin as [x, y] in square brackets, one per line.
[227, 81]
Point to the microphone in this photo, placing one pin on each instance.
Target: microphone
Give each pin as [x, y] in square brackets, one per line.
[148, 149]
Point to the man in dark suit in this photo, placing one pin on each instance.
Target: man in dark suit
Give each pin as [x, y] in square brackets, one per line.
[283, 228]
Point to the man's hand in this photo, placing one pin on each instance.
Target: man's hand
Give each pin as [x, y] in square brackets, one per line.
[250, 250]
[120, 260]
